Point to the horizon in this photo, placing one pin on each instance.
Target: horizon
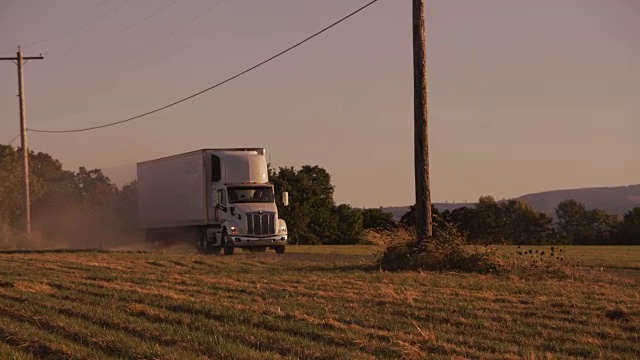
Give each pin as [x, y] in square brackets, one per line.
[466, 201]
[523, 98]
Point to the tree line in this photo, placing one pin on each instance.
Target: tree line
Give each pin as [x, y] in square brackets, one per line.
[314, 218]
[515, 222]
[82, 208]
[86, 206]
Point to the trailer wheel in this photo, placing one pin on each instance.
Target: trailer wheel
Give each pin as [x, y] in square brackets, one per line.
[210, 249]
[280, 249]
[226, 243]
[207, 247]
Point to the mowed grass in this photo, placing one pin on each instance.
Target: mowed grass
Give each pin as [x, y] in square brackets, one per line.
[614, 257]
[311, 303]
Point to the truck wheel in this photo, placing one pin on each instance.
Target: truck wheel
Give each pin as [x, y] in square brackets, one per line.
[207, 247]
[280, 249]
[226, 243]
[204, 246]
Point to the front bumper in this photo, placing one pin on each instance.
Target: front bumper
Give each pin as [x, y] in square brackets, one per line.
[254, 241]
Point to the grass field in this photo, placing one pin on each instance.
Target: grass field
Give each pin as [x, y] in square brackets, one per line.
[313, 302]
[615, 257]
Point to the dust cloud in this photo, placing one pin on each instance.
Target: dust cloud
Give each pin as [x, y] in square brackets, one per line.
[74, 227]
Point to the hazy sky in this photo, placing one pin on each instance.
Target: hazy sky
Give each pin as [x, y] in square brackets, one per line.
[524, 96]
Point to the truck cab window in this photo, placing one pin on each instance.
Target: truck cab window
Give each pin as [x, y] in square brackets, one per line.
[251, 194]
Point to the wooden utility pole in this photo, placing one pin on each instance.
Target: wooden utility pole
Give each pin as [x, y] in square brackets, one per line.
[20, 61]
[420, 121]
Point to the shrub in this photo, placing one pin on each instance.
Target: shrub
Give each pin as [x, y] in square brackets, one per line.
[444, 251]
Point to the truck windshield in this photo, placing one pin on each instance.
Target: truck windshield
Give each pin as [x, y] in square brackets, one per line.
[249, 194]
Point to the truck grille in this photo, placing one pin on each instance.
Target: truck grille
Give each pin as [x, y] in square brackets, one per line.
[261, 224]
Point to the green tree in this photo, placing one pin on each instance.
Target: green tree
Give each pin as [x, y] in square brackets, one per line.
[55, 196]
[409, 218]
[629, 230]
[127, 207]
[493, 222]
[99, 199]
[310, 217]
[49, 179]
[486, 226]
[96, 189]
[578, 225]
[378, 219]
[522, 225]
[51, 187]
[64, 204]
[10, 185]
[349, 227]
[572, 220]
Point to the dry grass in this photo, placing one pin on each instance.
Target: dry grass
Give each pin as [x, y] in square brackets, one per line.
[303, 305]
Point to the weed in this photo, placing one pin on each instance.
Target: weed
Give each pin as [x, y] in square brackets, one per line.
[539, 262]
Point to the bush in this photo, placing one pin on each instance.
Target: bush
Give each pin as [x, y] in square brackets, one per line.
[442, 252]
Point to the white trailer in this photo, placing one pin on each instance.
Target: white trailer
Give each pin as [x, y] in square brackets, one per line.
[222, 196]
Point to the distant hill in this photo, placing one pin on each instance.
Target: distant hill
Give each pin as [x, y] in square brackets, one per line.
[614, 200]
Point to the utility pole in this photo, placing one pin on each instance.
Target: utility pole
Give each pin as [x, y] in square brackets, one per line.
[20, 61]
[420, 122]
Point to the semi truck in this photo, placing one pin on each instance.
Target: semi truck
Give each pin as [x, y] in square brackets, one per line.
[221, 198]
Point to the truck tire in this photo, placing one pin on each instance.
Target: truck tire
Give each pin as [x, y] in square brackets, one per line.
[205, 246]
[280, 249]
[226, 243]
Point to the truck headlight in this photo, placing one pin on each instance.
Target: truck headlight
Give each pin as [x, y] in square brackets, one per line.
[234, 230]
[283, 229]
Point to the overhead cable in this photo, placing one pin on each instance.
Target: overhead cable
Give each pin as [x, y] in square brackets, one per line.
[211, 87]
[112, 34]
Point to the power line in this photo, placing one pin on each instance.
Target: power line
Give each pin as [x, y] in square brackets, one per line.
[14, 139]
[110, 35]
[84, 14]
[112, 10]
[174, 31]
[214, 86]
[85, 25]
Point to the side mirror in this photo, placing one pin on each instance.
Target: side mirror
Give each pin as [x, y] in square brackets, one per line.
[285, 198]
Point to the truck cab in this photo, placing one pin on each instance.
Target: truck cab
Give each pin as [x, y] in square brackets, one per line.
[249, 218]
[244, 204]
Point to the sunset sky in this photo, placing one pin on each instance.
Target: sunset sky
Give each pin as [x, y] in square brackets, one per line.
[524, 96]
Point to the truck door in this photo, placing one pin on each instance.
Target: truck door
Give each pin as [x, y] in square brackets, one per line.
[221, 205]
